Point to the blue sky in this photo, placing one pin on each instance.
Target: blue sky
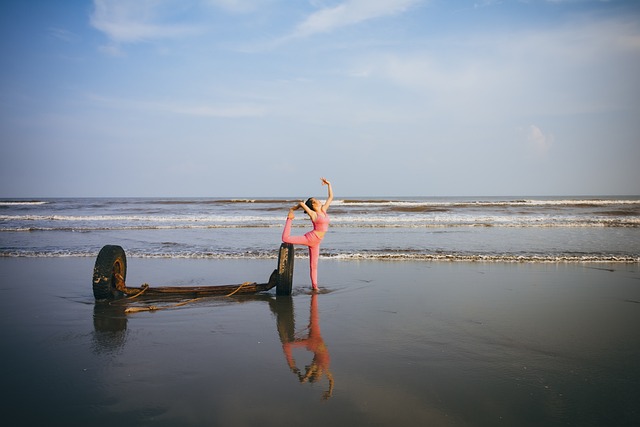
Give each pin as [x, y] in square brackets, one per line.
[263, 97]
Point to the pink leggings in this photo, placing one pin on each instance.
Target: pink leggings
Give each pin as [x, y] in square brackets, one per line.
[311, 240]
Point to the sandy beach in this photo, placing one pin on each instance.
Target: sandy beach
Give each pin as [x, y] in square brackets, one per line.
[384, 343]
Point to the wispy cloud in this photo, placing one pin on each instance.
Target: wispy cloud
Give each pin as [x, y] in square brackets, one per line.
[238, 6]
[570, 66]
[348, 13]
[197, 110]
[63, 34]
[539, 141]
[126, 21]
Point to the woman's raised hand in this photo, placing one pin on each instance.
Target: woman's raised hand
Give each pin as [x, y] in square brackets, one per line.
[325, 181]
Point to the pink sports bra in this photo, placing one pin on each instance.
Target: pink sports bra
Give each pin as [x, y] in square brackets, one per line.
[321, 223]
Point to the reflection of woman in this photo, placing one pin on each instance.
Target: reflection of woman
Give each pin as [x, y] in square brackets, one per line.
[315, 344]
[318, 214]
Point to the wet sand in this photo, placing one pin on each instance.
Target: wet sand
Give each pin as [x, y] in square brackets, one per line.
[384, 343]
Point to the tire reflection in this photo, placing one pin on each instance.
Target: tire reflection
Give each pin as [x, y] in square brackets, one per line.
[110, 327]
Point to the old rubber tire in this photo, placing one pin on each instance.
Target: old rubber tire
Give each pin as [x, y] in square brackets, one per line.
[111, 261]
[285, 269]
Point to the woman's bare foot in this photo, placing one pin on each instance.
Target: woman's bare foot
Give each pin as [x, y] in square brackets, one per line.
[290, 215]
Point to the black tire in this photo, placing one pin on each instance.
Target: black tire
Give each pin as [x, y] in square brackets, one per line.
[111, 261]
[285, 269]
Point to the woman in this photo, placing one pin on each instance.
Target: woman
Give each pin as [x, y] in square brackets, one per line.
[318, 214]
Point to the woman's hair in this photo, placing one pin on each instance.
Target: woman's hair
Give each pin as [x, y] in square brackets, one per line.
[309, 203]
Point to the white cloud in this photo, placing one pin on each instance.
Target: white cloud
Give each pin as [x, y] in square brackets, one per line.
[63, 34]
[238, 6]
[232, 110]
[349, 13]
[581, 67]
[418, 70]
[135, 21]
[539, 141]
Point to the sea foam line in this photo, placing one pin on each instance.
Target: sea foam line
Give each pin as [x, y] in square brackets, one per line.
[488, 203]
[22, 203]
[409, 224]
[379, 256]
[136, 218]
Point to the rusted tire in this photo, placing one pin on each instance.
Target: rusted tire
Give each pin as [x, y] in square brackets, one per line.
[285, 269]
[110, 263]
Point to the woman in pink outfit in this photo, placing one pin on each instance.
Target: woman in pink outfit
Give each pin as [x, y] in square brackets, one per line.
[318, 214]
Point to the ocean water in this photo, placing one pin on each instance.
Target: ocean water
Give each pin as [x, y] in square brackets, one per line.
[511, 229]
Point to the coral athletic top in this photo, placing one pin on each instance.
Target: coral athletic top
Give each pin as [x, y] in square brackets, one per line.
[321, 223]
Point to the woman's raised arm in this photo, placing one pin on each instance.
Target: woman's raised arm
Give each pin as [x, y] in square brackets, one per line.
[326, 205]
